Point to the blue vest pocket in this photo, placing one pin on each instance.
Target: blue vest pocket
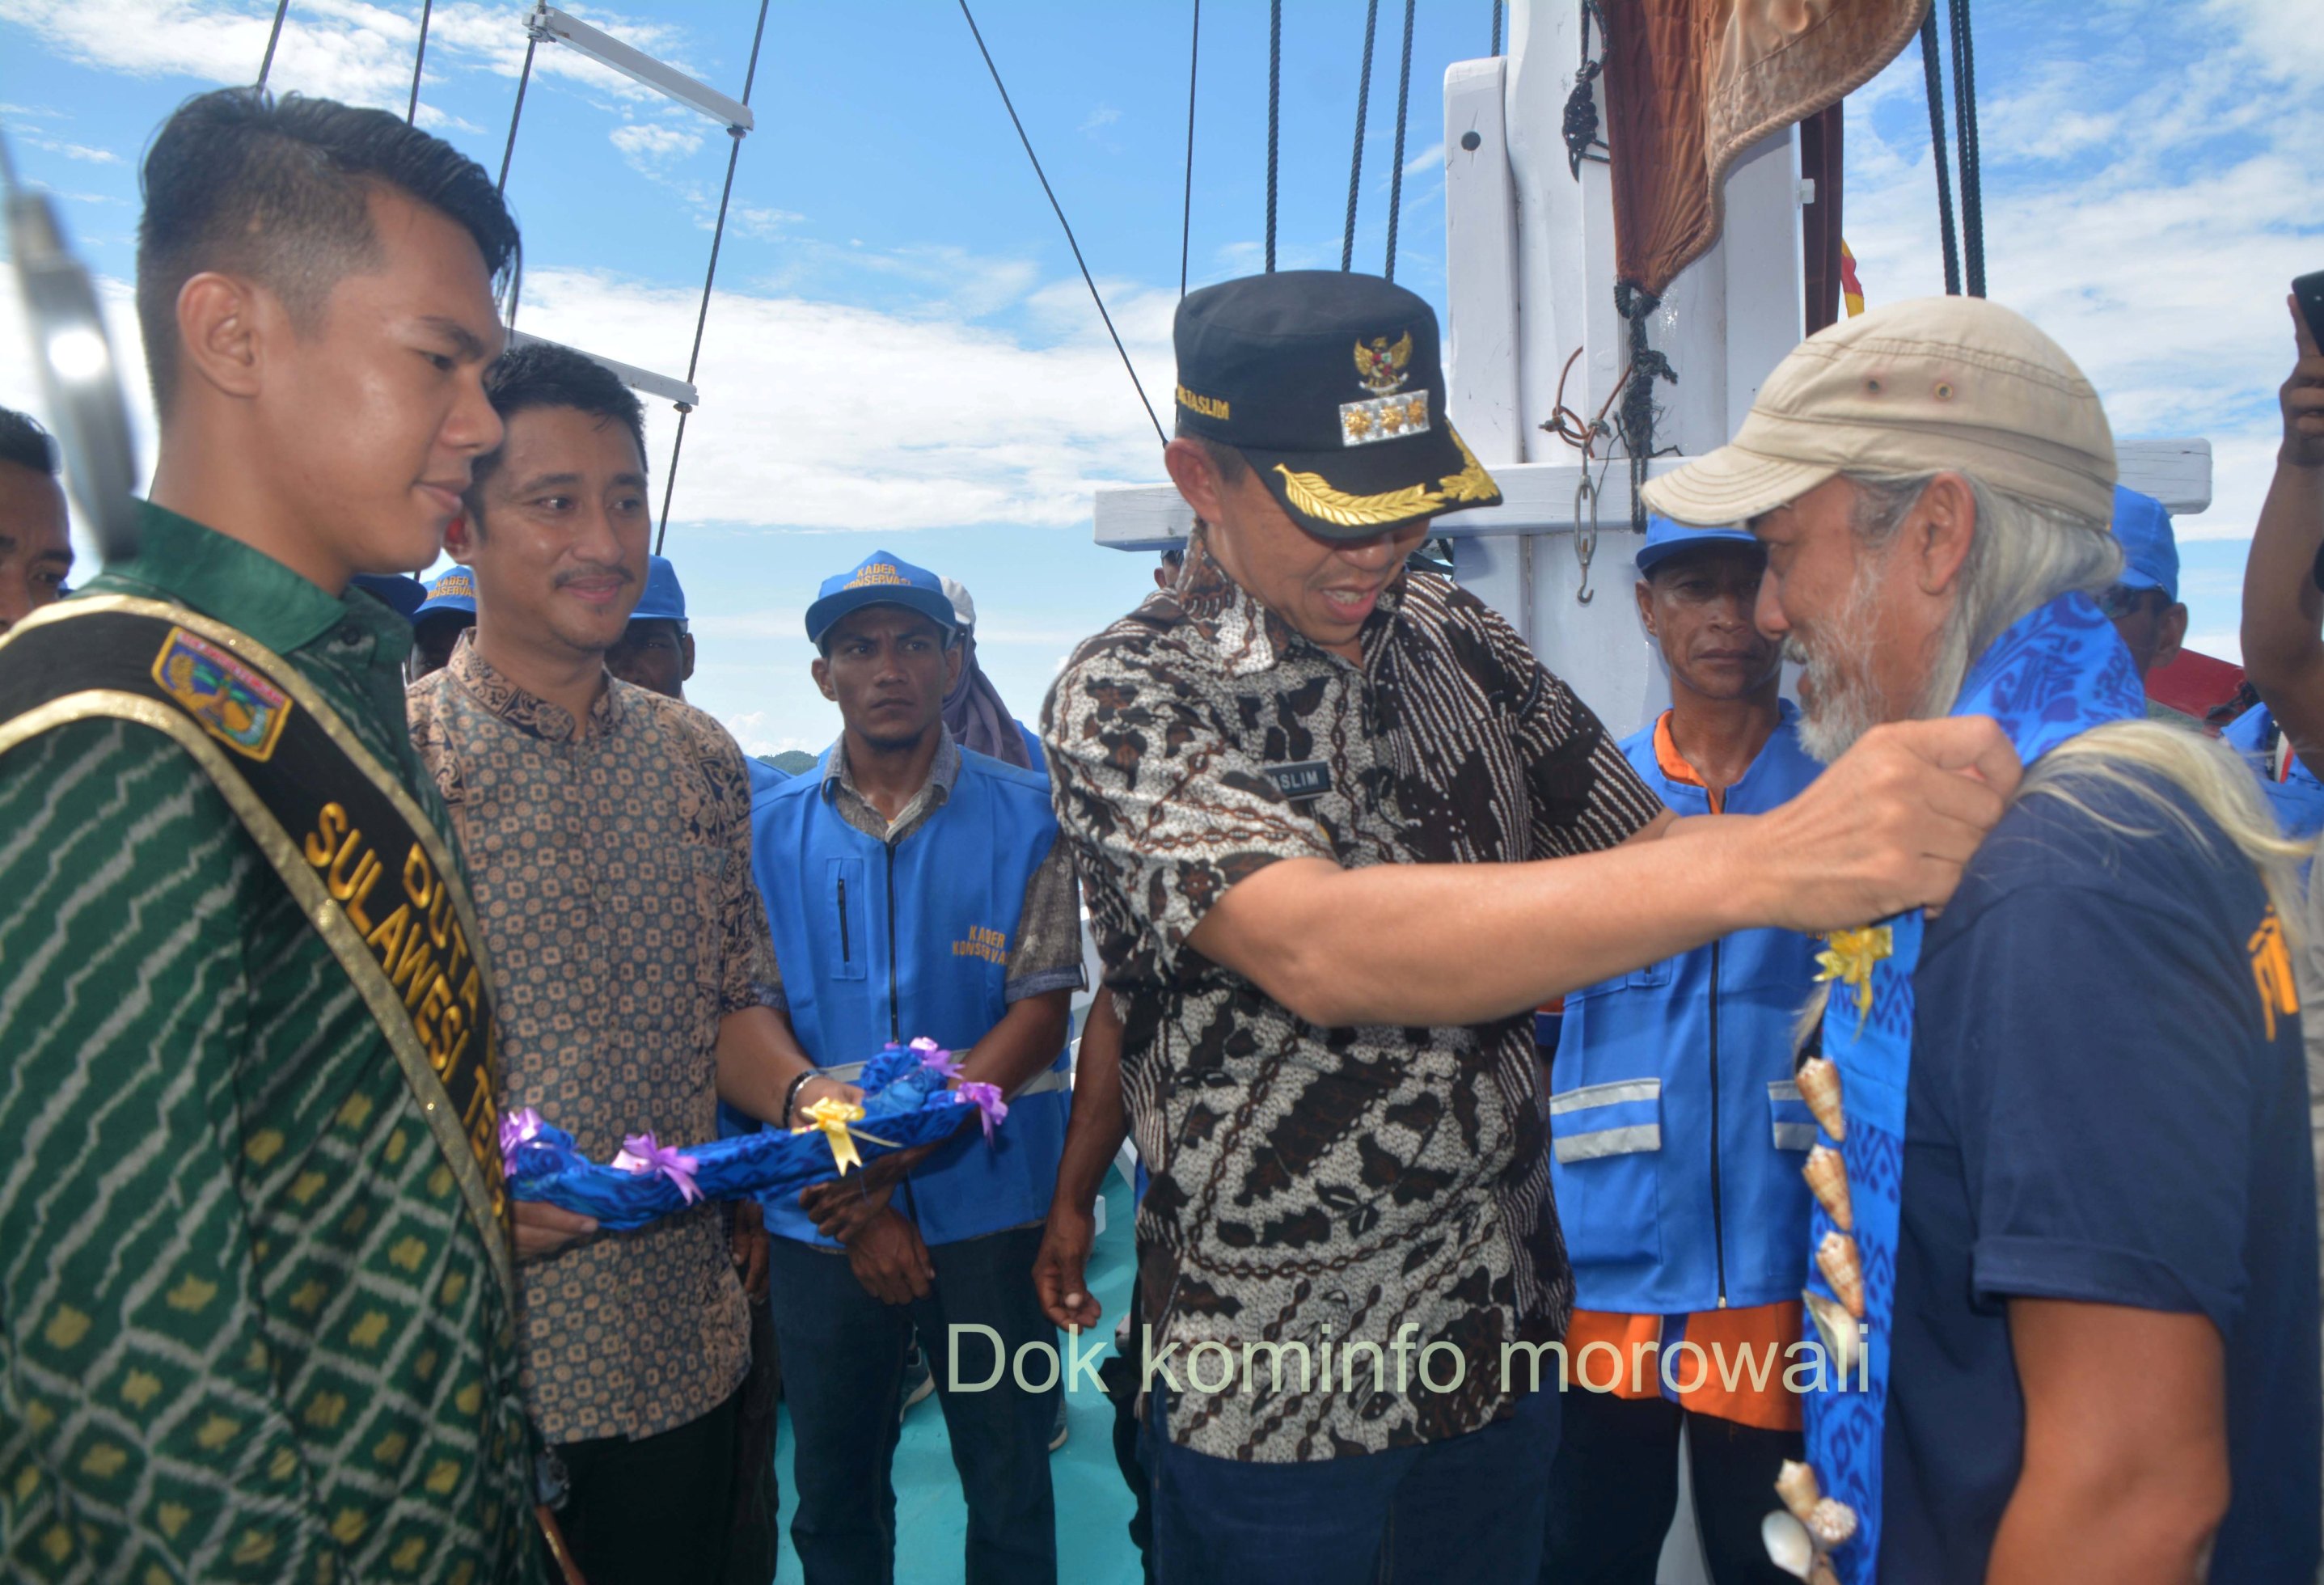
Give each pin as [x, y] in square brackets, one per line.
[1606, 1146]
[847, 904]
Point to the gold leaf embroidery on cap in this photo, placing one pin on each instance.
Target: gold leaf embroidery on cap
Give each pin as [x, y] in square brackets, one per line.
[1313, 494]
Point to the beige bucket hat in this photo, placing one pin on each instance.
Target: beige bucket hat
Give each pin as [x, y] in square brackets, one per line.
[1917, 387]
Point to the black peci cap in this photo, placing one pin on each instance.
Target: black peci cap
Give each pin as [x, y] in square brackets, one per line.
[1331, 384]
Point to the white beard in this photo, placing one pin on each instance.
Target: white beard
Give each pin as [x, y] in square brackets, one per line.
[1840, 702]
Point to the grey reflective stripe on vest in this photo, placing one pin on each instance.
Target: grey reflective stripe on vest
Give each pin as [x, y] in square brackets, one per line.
[1627, 1140]
[1630, 1141]
[1790, 1136]
[1590, 1095]
[1041, 1083]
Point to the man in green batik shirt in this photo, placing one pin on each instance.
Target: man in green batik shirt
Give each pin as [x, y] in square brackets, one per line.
[249, 1329]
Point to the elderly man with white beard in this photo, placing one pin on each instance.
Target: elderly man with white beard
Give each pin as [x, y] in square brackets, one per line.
[2064, 1246]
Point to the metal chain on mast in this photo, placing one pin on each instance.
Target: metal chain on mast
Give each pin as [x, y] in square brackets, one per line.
[1356, 160]
[1395, 175]
[717, 236]
[1274, 114]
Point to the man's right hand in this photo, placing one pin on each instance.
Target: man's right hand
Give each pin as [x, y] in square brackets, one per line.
[542, 1229]
[1889, 826]
[890, 1261]
[1057, 1269]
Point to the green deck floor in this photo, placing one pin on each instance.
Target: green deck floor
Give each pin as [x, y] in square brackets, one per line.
[1092, 1504]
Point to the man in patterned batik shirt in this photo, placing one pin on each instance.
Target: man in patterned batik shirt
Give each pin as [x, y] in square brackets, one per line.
[250, 1326]
[1305, 786]
[608, 829]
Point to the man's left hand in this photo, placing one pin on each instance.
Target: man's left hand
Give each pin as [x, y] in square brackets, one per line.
[842, 1207]
[822, 1089]
[748, 1243]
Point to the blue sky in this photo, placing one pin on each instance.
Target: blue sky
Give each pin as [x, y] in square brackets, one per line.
[901, 355]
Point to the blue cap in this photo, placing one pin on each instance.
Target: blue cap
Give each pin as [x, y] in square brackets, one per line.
[879, 579]
[455, 591]
[2149, 553]
[399, 592]
[1666, 538]
[663, 600]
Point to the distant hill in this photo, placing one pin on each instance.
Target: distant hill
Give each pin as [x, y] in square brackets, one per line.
[790, 761]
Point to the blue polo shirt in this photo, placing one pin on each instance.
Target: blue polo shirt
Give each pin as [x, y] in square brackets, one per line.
[2107, 1105]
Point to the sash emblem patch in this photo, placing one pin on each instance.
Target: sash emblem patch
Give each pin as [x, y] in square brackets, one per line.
[235, 701]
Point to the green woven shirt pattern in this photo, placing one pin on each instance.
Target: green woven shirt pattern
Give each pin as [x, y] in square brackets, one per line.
[248, 1329]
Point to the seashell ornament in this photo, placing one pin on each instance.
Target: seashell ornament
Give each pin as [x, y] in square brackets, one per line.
[1796, 1483]
[1827, 1176]
[1818, 1082]
[1841, 1340]
[1830, 1523]
[1789, 1546]
[1837, 1258]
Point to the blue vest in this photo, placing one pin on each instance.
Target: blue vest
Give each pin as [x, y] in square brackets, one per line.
[882, 943]
[1677, 1132]
[2298, 800]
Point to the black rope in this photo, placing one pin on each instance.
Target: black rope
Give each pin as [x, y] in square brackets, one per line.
[1497, 27]
[508, 153]
[1580, 125]
[1933, 75]
[702, 316]
[1972, 182]
[1356, 160]
[1635, 421]
[282, 9]
[419, 59]
[1395, 176]
[1138, 385]
[1186, 219]
[1274, 114]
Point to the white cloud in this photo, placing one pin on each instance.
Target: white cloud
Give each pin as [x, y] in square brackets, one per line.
[70, 150]
[1431, 158]
[1104, 115]
[650, 147]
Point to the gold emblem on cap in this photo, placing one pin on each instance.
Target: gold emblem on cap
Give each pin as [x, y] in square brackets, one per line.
[1381, 367]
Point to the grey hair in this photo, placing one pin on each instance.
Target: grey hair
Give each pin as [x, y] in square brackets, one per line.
[2024, 555]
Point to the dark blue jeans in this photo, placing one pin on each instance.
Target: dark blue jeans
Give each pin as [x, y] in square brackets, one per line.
[1471, 1508]
[844, 1369]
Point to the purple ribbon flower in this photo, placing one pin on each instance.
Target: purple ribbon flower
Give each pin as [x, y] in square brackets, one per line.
[986, 1099]
[517, 1129]
[936, 1059]
[640, 1152]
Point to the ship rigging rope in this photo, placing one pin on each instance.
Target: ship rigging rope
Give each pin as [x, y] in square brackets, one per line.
[1932, 74]
[1972, 182]
[1274, 114]
[702, 316]
[1090, 281]
[282, 9]
[1356, 160]
[1396, 172]
[1497, 27]
[418, 61]
[508, 150]
[1186, 217]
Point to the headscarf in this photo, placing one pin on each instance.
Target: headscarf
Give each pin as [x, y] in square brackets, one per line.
[974, 709]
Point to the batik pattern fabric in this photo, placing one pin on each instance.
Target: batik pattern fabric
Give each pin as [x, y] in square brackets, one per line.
[2054, 675]
[1312, 1184]
[248, 1329]
[612, 876]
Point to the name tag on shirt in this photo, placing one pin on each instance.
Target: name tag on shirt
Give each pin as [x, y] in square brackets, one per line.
[1306, 779]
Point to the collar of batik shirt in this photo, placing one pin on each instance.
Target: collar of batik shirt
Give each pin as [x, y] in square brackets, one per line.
[1246, 636]
[490, 687]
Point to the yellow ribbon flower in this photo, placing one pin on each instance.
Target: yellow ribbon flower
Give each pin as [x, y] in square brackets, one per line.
[831, 1117]
[1848, 958]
